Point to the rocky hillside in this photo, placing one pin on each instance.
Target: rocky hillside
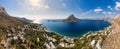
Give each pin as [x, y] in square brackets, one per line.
[113, 41]
[17, 33]
[7, 20]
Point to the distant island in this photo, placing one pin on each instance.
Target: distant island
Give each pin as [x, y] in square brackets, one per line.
[71, 18]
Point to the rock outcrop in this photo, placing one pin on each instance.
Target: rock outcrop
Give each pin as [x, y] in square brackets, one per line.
[2, 11]
[72, 18]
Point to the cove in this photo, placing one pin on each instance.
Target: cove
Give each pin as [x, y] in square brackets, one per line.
[75, 29]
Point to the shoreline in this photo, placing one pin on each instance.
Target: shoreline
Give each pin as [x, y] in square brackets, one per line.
[85, 40]
[89, 32]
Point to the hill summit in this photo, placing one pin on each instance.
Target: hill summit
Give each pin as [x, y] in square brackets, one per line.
[2, 11]
[72, 18]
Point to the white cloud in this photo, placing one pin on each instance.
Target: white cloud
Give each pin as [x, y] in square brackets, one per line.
[86, 13]
[104, 12]
[47, 6]
[37, 4]
[107, 13]
[117, 7]
[98, 10]
[109, 7]
[110, 13]
[63, 4]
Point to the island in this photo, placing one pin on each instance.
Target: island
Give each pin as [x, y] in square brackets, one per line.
[71, 18]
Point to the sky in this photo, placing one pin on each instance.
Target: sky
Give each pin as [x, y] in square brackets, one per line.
[60, 9]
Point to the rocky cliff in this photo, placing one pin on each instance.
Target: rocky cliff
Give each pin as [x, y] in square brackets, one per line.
[2, 11]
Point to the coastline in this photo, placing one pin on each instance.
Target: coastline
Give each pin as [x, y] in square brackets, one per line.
[81, 33]
[91, 35]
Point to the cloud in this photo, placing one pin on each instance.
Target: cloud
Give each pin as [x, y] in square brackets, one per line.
[63, 4]
[101, 11]
[108, 12]
[37, 4]
[98, 10]
[86, 13]
[109, 7]
[104, 12]
[117, 6]
[47, 6]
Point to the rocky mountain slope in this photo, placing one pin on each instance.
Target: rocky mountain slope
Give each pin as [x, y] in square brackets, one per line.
[113, 41]
[8, 20]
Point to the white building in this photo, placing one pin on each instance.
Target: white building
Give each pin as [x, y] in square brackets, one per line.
[98, 45]
[93, 43]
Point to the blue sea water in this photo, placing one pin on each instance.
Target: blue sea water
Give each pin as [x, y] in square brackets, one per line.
[75, 29]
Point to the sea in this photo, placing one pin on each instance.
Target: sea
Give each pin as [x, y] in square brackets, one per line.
[75, 29]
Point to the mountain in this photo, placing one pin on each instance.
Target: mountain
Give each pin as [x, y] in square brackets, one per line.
[26, 20]
[72, 18]
[7, 20]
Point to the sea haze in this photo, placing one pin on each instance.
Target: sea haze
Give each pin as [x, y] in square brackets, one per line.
[75, 29]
